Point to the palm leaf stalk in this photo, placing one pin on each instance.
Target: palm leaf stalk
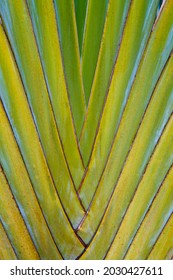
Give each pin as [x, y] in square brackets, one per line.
[86, 129]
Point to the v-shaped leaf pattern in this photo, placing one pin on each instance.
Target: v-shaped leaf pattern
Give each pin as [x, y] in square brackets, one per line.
[86, 129]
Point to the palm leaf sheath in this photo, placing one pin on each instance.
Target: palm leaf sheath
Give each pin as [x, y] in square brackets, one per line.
[86, 129]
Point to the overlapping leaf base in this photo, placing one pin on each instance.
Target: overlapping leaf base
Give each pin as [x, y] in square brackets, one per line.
[86, 129]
